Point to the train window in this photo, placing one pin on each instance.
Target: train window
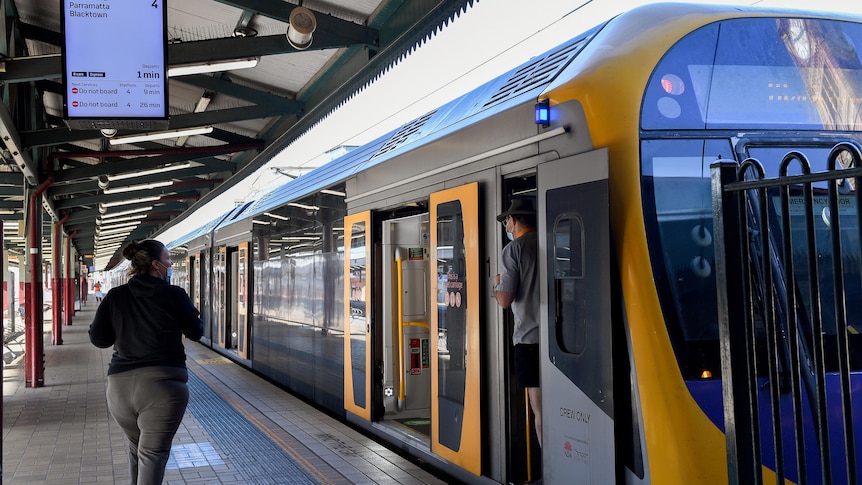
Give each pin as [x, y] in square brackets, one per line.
[452, 321]
[356, 329]
[569, 247]
[770, 158]
[569, 257]
[759, 73]
[678, 205]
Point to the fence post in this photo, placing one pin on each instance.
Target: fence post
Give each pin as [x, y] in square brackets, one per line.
[738, 378]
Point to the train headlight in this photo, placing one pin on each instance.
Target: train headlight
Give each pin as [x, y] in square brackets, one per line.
[543, 113]
[672, 84]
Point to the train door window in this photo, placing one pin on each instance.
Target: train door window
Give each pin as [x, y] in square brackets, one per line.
[232, 299]
[220, 296]
[568, 253]
[192, 280]
[452, 338]
[203, 292]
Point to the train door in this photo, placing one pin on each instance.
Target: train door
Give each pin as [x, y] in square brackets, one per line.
[232, 290]
[202, 294]
[220, 296]
[191, 284]
[456, 424]
[240, 275]
[577, 386]
[357, 315]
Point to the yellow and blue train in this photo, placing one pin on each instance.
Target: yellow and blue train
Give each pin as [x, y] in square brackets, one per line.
[363, 285]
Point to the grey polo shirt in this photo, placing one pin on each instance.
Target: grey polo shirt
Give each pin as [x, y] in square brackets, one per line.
[520, 275]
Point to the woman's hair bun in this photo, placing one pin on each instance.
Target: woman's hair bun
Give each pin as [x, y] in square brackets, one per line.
[130, 250]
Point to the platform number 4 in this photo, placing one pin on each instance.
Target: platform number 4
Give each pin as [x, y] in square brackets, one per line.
[155, 3]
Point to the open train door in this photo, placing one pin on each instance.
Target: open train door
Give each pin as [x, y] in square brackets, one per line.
[357, 328]
[577, 384]
[456, 424]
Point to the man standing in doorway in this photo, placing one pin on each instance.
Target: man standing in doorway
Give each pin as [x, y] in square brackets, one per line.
[518, 286]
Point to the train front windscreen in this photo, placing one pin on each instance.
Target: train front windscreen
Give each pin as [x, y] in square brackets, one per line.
[735, 89]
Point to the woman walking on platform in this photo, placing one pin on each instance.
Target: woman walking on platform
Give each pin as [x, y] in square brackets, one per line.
[145, 321]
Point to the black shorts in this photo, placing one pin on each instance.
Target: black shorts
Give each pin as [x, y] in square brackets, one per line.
[527, 365]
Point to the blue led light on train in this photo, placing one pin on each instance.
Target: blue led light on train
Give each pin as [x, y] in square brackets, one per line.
[543, 113]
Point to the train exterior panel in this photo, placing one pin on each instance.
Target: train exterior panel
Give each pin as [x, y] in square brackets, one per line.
[363, 286]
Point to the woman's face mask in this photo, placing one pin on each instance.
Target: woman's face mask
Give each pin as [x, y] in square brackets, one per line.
[169, 271]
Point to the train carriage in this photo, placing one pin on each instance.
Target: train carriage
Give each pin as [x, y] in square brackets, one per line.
[364, 285]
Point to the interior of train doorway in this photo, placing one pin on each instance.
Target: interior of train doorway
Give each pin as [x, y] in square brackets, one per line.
[524, 452]
[231, 317]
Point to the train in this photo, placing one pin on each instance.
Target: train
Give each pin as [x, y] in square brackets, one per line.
[364, 286]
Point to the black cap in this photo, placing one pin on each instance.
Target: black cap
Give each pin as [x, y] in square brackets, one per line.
[518, 207]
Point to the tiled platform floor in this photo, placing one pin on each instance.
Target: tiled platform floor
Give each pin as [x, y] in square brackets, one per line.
[62, 434]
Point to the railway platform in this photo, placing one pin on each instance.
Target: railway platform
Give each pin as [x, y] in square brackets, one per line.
[238, 428]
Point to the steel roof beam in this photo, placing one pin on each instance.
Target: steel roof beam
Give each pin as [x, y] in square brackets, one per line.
[226, 87]
[55, 136]
[12, 204]
[87, 216]
[12, 191]
[94, 200]
[142, 163]
[92, 186]
[12, 178]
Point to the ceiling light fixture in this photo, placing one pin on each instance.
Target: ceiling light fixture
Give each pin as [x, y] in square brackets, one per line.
[302, 25]
[111, 238]
[118, 220]
[161, 135]
[200, 107]
[213, 66]
[128, 175]
[126, 212]
[276, 216]
[304, 206]
[130, 188]
[106, 205]
[123, 231]
[333, 192]
[118, 225]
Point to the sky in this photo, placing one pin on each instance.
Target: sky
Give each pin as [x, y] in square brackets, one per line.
[487, 40]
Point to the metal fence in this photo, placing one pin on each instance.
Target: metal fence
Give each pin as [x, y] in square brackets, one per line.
[783, 320]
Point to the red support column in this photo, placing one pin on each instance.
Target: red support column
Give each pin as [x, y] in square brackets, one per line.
[34, 345]
[57, 283]
[70, 281]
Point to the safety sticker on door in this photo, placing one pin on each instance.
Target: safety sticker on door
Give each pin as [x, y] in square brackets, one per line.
[415, 357]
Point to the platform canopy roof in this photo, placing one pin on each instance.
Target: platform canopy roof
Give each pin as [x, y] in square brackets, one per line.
[254, 112]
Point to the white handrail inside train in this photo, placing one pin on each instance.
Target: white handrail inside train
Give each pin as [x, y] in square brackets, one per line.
[490, 153]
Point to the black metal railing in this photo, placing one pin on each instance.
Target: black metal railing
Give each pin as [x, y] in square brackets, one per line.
[774, 320]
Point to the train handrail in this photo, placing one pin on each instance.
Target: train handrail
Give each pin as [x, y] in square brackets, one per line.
[400, 278]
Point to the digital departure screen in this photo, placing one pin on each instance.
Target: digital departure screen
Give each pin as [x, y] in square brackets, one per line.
[115, 64]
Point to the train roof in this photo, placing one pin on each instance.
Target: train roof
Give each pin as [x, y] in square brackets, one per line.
[225, 218]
